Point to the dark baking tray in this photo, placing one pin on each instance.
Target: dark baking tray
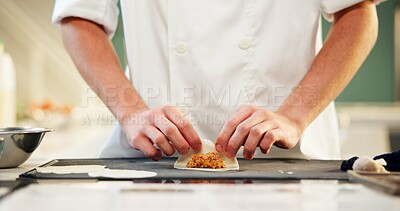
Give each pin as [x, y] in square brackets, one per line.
[263, 169]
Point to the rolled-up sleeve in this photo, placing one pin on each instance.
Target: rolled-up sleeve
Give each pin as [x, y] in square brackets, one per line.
[330, 7]
[102, 12]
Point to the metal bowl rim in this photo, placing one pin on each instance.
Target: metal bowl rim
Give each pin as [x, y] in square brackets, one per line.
[11, 130]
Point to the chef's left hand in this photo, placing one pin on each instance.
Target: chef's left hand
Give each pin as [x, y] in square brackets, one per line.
[254, 126]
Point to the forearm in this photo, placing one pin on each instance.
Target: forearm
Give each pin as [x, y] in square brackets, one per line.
[96, 60]
[160, 130]
[349, 42]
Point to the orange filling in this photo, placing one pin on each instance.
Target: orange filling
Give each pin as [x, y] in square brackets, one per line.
[210, 160]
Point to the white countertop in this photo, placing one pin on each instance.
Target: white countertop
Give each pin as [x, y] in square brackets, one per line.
[305, 195]
[13, 173]
[126, 195]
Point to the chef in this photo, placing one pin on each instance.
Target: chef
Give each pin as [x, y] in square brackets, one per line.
[249, 73]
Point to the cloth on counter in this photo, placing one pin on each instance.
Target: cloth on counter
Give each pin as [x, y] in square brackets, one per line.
[348, 164]
[392, 161]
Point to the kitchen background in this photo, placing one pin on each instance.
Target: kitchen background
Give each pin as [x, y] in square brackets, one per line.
[50, 92]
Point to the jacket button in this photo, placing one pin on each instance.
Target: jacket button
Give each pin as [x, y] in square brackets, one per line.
[181, 47]
[244, 43]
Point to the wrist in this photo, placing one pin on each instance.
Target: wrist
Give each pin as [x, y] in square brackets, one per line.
[295, 116]
[126, 114]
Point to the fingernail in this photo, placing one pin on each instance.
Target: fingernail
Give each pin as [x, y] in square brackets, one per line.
[230, 155]
[197, 147]
[158, 156]
[219, 148]
[185, 151]
[264, 151]
[248, 156]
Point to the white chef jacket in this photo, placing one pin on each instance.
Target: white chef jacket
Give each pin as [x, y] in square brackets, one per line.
[209, 57]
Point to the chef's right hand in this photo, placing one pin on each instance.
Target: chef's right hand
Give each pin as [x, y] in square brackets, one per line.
[160, 130]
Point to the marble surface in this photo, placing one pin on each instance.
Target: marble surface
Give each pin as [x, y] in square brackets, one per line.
[13, 173]
[173, 195]
[305, 195]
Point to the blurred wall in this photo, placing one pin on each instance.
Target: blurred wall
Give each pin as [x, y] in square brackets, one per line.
[375, 81]
[44, 70]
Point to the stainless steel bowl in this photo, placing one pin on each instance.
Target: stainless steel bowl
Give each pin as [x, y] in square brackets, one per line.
[18, 144]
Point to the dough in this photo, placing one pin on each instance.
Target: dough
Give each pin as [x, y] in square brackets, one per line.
[96, 171]
[119, 174]
[367, 164]
[81, 169]
[208, 146]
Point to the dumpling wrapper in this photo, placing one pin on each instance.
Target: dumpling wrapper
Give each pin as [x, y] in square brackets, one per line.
[96, 171]
[122, 174]
[78, 169]
[207, 146]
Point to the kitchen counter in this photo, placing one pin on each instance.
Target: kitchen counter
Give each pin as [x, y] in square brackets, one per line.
[13, 173]
[173, 195]
[304, 195]
[360, 127]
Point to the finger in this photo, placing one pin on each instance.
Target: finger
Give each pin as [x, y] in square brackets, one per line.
[243, 129]
[230, 126]
[184, 126]
[172, 133]
[158, 138]
[254, 138]
[146, 146]
[269, 139]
